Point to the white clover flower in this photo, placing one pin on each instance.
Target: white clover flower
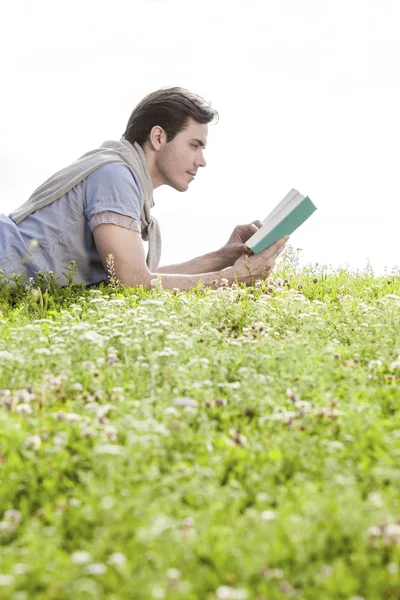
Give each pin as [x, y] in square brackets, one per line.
[188, 522]
[81, 557]
[44, 351]
[173, 574]
[112, 358]
[5, 527]
[392, 568]
[111, 449]
[374, 531]
[111, 433]
[268, 515]
[117, 390]
[20, 568]
[24, 396]
[13, 517]
[23, 409]
[95, 569]
[158, 592]
[396, 363]
[34, 442]
[374, 364]
[156, 283]
[392, 532]
[228, 593]
[74, 502]
[6, 580]
[72, 418]
[185, 401]
[375, 498]
[117, 558]
[89, 365]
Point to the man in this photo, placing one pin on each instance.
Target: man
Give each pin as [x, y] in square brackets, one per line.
[100, 206]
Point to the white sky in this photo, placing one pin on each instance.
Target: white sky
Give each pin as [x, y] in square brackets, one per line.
[308, 93]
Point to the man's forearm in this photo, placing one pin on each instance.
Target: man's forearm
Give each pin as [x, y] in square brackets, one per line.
[208, 263]
[188, 282]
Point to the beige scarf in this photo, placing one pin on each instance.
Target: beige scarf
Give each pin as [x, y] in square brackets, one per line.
[63, 181]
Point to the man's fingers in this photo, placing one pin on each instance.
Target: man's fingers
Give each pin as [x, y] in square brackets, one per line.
[278, 246]
[257, 223]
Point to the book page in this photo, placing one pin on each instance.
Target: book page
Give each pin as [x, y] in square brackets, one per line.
[290, 201]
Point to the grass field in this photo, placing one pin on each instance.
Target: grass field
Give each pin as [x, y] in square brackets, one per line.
[224, 444]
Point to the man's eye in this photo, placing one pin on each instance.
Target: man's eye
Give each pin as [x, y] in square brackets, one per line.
[195, 146]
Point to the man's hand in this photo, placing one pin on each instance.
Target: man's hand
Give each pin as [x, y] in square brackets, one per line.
[259, 266]
[236, 245]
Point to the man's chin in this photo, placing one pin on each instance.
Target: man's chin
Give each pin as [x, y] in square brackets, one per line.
[180, 187]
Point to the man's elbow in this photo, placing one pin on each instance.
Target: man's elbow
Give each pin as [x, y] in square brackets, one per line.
[134, 279]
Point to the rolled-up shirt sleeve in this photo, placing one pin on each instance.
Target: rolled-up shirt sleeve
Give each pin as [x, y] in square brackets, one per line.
[114, 219]
[114, 196]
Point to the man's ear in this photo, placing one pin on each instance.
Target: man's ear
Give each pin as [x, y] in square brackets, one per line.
[157, 138]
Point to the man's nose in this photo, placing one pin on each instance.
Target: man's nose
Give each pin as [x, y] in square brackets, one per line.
[201, 162]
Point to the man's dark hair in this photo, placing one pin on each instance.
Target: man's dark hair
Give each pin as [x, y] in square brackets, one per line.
[170, 109]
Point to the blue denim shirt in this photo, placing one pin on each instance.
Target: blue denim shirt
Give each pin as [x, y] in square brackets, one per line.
[60, 232]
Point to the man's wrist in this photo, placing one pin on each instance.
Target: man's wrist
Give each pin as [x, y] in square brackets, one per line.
[229, 254]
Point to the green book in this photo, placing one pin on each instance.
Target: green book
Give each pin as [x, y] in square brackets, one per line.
[286, 217]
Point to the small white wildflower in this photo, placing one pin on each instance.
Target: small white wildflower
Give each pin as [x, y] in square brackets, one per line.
[78, 387]
[392, 531]
[117, 390]
[74, 502]
[59, 440]
[158, 592]
[111, 433]
[44, 351]
[95, 569]
[393, 568]
[24, 409]
[72, 418]
[6, 527]
[375, 498]
[111, 449]
[117, 558]
[24, 396]
[227, 593]
[268, 515]
[185, 401]
[81, 557]
[156, 283]
[20, 569]
[112, 358]
[34, 442]
[107, 502]
[13, 516]
[374, 531]
[152, 302]
[173, 574]
[374, 364]
[396, 363]
[89, 365]
[6, 580]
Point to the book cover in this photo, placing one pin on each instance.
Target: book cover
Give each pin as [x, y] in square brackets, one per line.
[282, 226]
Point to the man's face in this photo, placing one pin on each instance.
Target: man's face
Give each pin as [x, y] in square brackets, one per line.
[179, 160]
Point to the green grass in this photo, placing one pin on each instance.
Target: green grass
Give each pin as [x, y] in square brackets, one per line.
[277, 477]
